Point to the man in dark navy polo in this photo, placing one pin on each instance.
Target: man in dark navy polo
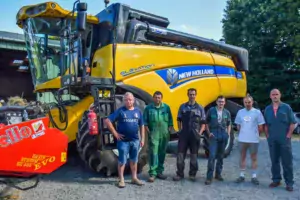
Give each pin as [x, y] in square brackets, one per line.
[280, 123]
[191, 124]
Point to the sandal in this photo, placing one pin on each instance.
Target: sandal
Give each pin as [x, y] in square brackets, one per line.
[121, 184]
[137, 182]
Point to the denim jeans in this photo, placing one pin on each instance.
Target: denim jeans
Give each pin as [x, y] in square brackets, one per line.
[126, 148]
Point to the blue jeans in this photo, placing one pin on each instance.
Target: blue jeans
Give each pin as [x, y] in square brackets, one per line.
[216, 152]
[128, 147]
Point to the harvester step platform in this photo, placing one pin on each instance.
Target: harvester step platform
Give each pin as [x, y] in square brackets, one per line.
[102, 83]
[106, 101]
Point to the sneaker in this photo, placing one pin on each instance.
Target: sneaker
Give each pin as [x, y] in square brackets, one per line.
[162, 177]
[151, 179]
[240, 179]
[177, 178]
[255, 181]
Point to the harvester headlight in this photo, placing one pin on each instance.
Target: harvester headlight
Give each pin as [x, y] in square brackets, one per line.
[53, 5]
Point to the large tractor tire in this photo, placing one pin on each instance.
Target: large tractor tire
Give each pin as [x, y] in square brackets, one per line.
[233, 108]
[105, 162]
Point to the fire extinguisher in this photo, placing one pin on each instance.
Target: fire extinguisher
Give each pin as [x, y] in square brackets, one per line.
[93, 123]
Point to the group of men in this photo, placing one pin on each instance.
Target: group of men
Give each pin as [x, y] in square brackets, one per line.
[277, 124]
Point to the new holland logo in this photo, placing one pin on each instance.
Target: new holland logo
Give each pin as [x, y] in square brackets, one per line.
[172, 76]
[136, 115]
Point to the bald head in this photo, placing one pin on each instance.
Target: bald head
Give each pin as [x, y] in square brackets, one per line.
[275, 95]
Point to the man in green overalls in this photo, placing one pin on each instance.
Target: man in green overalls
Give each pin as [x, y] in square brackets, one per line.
[158, 123]
[280, 123]
[218, 129]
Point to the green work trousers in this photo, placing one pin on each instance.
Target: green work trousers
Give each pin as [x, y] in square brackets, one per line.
[158, 141]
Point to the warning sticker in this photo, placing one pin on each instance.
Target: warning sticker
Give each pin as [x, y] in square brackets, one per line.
[38, 128]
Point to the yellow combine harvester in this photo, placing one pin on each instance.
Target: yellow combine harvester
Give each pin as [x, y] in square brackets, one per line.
[87, 62]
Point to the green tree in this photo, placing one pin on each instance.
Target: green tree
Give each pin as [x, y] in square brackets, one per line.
[270, 30]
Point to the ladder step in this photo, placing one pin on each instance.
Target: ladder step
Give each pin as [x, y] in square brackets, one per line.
[102, 82]
[106, 87]
[108, 101]
[109, 147]
[105, 132]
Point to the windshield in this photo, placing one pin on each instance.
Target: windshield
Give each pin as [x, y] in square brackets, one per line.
[46, 52]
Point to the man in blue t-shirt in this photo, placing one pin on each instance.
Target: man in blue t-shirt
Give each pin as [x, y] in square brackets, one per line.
[129, 122]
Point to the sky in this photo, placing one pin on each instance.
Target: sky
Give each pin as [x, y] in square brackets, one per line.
[198, 17]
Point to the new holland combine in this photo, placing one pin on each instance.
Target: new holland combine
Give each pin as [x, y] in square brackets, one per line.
[81, 65]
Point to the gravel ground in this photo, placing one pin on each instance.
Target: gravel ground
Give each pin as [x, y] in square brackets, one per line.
[73, 182]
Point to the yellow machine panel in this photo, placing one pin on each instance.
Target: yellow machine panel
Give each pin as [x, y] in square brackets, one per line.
[172, 71]
[75, 113]
[48, 9]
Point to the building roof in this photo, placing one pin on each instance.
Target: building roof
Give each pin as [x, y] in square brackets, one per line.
[10, 36]
[17, 37]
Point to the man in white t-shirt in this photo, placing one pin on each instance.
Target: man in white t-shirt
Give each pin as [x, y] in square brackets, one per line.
[249, 122]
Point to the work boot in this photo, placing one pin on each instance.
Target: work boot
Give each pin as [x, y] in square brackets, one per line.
[192, 178]
[162, 177]
[177, 178]
[219, 177]
[289, 188]
[240, 179]
[274, 184]
[151, 179]
[208, 182]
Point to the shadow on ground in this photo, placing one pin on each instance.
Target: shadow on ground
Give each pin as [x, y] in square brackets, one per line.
[76, 171]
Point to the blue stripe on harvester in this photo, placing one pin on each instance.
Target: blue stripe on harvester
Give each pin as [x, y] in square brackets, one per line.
[224, 71]
[179, 75]
[239, 75]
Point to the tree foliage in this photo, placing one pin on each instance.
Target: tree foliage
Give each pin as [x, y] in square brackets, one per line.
[270, 31]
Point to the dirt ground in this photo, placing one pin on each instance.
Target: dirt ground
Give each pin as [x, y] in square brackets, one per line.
[74, 182]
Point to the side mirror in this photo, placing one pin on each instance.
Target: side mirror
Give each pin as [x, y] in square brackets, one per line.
[106, 3]
[81, 16]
